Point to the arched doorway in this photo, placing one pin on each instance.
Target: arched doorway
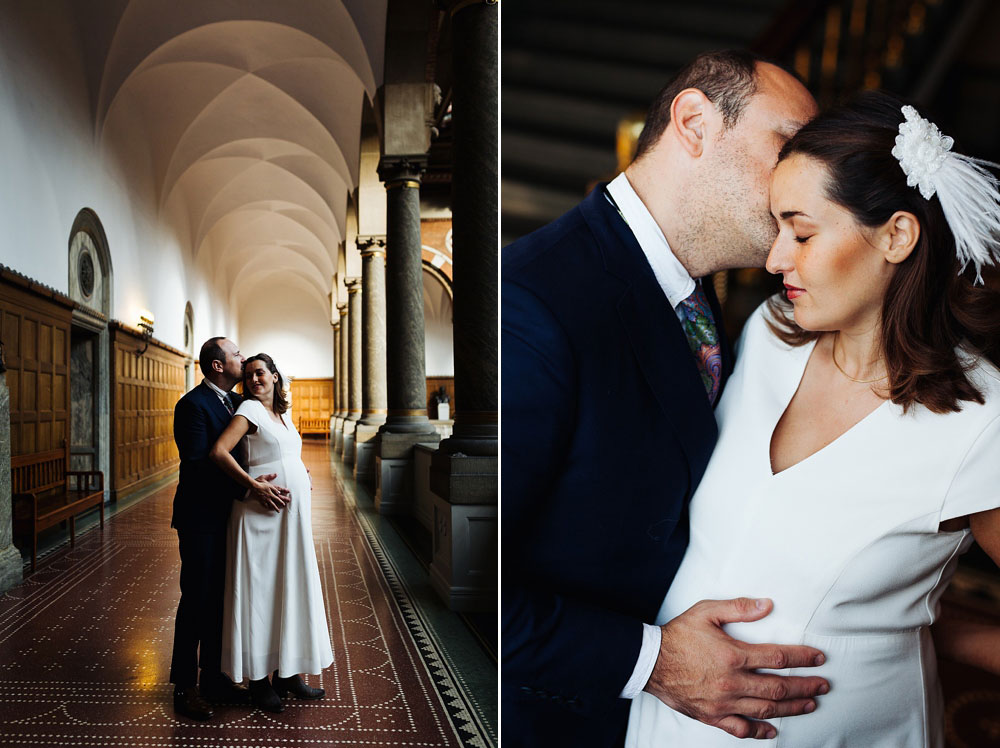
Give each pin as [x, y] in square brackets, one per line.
[90, 285]
[439, 351]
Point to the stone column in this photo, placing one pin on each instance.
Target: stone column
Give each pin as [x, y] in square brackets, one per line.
[337, 374]
[463, 473]
[373, 372]
[338, 443]
[406, 422]
[353, 367]
[10, 557]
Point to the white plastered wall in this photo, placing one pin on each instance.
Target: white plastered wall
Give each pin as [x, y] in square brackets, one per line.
[52, 166]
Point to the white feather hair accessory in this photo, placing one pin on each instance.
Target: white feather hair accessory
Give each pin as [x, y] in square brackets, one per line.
[969, 194]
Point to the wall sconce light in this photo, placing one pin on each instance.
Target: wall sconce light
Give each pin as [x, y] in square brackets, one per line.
[146, 325]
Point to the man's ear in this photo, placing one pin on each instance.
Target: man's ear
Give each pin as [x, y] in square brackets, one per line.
[900, 236]
[217, 366]
[690, 113]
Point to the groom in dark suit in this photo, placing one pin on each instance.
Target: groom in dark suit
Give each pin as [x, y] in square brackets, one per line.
[201, 512]
[613, 359]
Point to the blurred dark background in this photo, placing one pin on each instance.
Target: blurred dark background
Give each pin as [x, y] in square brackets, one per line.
[577, 76]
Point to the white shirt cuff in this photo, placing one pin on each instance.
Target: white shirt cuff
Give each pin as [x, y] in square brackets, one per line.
[648, 652]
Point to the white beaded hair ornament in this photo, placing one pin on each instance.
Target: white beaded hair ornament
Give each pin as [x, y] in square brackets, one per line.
[969, 194]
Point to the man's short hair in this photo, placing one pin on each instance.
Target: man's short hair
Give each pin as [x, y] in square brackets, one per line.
[211, 351]
[727, 78]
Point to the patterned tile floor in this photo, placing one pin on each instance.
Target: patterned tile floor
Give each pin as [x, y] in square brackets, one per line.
[85, 642]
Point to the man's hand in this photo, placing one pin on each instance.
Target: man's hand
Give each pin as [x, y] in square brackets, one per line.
[268, 494]
[706, 674]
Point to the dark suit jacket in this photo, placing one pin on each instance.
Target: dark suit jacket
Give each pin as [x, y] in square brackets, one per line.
[607, 430]
[205, 493]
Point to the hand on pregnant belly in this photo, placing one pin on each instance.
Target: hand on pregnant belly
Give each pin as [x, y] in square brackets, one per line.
[706, 674]
[269, 495]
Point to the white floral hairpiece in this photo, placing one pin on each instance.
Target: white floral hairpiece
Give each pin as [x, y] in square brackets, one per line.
[969, 194]
[921, 150]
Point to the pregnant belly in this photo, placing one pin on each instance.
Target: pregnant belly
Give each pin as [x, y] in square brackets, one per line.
[883, 694]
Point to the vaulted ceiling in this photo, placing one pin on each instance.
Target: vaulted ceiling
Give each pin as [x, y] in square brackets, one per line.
[239, 124]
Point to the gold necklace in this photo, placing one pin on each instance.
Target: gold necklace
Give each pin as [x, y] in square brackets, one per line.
[833, 355]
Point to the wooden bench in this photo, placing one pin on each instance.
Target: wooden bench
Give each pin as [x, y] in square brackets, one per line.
[45, 493]
[314, 426]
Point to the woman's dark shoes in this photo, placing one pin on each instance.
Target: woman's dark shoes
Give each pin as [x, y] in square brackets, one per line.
[189, 703]
[296, 687]
[262, 695]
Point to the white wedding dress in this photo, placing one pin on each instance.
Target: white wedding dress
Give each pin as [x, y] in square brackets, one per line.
[274, 617]
[846, 543]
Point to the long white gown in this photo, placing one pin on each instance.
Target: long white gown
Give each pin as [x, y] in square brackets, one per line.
[845, 542]
[274, 617]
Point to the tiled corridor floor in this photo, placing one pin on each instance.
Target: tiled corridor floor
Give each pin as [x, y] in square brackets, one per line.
[85, 642]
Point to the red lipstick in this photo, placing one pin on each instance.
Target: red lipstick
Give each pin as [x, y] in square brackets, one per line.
[793, 292]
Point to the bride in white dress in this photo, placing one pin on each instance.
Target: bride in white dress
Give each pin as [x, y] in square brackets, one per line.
[859, 447]
[274, 615]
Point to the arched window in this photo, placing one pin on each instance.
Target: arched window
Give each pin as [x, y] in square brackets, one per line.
[90, 263]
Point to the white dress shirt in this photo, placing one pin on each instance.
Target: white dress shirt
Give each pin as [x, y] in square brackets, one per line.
[220, 392]
[677, 285]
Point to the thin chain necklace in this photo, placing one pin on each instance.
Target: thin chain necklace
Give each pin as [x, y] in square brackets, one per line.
[836, 337]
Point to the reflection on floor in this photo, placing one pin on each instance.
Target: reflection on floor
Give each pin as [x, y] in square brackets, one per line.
[85, 643]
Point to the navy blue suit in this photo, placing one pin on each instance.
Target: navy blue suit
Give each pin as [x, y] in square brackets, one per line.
[202, 504]
[607, 430]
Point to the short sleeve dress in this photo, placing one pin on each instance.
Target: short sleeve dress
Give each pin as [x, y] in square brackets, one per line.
[845, 542]
[274, 617]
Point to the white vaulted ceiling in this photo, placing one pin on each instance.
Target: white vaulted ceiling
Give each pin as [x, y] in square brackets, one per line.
[238, 124]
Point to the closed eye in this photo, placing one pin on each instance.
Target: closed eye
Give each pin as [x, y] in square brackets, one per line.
[802, 239]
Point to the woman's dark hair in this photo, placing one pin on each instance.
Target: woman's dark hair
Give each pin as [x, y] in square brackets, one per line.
[930, 307]
[280, 402]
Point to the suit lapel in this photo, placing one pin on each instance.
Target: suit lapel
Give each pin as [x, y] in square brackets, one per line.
[213, 403]
[655, 334]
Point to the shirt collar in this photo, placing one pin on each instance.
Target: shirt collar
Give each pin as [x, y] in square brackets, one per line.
[217, 390]
[672, 276]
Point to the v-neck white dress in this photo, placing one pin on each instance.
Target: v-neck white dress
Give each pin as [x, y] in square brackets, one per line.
[274, 616]
[845, 542]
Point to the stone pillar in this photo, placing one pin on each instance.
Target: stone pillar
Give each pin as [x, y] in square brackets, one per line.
[353, 367]
[406, 422]
[337, 374]
[373, 372]
[10, 557]
[338, 442]
[463, 473]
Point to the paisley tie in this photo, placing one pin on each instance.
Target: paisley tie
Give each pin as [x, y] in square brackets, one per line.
[703, 338]
[227, 399]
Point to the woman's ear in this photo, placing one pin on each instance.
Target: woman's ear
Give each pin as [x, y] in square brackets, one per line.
[901, 233]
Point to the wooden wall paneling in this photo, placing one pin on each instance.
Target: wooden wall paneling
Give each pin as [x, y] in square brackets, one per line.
[34, 323]
[312, 399]
[433, 384]
[144, 391]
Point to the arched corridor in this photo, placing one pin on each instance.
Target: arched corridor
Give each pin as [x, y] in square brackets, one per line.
[85, 641]
[298, 179]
